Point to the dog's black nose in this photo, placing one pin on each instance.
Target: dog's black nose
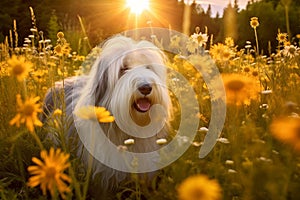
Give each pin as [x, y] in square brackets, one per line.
[145, 89]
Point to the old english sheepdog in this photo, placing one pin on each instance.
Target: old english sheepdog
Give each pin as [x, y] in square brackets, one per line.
[128, 79]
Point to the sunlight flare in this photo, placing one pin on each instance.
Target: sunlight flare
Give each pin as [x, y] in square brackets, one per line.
[137, 6]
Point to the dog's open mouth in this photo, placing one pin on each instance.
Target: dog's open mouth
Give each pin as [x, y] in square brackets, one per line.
[142, 104]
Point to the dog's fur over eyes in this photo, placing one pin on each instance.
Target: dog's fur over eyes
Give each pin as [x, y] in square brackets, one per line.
[128, 78]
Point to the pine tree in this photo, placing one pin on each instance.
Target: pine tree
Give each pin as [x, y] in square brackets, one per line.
[53, 27]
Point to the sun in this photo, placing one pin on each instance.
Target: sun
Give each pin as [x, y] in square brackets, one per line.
[137, 6]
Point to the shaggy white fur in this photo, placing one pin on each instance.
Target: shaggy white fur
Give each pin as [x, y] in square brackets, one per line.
[129, 79]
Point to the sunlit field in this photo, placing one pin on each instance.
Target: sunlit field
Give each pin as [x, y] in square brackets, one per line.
[256, 155]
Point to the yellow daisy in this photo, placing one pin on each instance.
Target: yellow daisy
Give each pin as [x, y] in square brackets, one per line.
[60, 35]
[27, 113]
[282, 37]
[39, 75]
[221, 52]
[240, 89]
[199, 187]
[19, 67]
[49, 172]
[229, 41]
[287, 130]
[254, 22]
[62, 50]
[95, 113]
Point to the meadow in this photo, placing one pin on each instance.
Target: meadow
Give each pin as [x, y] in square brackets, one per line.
[255, 157]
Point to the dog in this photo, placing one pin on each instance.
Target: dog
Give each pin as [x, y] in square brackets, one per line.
[128, 79]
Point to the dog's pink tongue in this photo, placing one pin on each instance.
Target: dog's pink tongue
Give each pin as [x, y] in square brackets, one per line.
[143, 104]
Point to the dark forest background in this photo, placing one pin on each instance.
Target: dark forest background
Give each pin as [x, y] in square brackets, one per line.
[103, 18]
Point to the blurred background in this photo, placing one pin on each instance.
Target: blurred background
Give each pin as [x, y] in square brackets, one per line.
[103, 18]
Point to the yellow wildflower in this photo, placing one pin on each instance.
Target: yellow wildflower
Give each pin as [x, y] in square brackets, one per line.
[39, 74]
[60, 35]
[254, 22]
[58, 50]
[229, 41]
[282, 37]
[95, 113]
[61, 50]
[199, 187]
[287, 130]
[27, 113]
[49, 174]
[57, 112]
[240, 89]
[221, 52]
[19, 67]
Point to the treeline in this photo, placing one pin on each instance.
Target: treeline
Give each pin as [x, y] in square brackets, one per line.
[102, 18]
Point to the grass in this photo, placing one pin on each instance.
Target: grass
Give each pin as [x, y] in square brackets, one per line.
[249, 161]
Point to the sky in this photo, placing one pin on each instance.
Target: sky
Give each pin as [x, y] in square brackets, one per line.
[219, 5]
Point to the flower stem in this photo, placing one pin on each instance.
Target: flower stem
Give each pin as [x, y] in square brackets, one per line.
[38, 140]
[256, 40]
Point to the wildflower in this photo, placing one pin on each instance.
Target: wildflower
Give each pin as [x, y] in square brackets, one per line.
[48, 172]
[161, 141]
[203, 129]
[57, 112]
[95, 113]
[264, 106]
[254, 22]
[60, 35]
[200, 38]
[232, 171]
[291, 51]
[191, 46]
[129, 141]
[255, 73]
[19, 67]
[240, 89]
[38, 75]
[27, 113]
[287, 130]
[221, 52]
[58, 50]
[199, 187]
[229, 162]
[197, 144]
[246, 69]
[229, 42]
[282, 37]
[223, 140]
